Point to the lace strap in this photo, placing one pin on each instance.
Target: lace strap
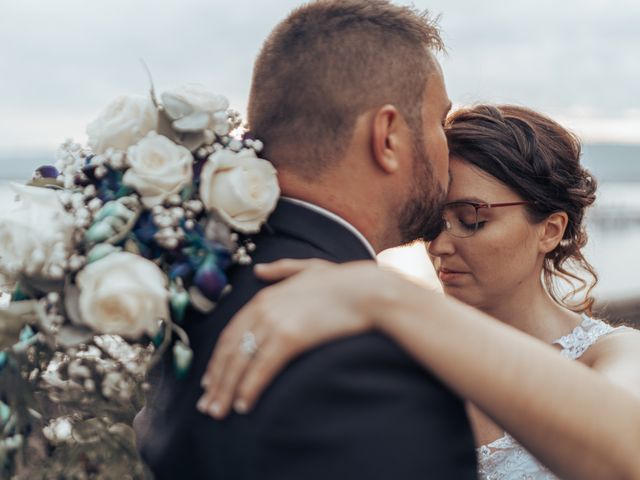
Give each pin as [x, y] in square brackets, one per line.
[582, 337]
[504, 442]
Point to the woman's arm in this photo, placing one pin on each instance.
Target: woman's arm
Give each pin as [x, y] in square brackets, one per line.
[575, 420]
[572, 418]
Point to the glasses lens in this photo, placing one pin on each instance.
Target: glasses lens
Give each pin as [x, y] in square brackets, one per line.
[461, 219]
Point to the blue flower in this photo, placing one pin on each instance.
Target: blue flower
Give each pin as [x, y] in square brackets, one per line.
[210, 279]
[145, 229]
[223, 256]
[47, 171]
[143, 234]
[182, 269]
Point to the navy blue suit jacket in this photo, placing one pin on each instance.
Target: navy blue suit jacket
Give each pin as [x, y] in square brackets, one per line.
[357, 408]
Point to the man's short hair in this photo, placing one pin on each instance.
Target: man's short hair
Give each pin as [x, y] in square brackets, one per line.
[330, 61]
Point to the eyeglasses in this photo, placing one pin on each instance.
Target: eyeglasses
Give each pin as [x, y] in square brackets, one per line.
[461, 219]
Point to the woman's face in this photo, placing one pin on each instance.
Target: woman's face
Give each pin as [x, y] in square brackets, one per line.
[501, 257]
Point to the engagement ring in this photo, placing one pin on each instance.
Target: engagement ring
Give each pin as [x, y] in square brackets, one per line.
[248, 344]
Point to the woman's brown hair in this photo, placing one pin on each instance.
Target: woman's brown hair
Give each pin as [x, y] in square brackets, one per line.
[540, 160]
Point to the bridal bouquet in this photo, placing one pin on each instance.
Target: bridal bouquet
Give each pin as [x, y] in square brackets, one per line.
[104, 253]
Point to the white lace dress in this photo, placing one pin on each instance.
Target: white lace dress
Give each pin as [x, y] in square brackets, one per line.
[506, 459]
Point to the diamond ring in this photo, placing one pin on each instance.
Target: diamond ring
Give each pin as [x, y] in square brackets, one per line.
[248, 343]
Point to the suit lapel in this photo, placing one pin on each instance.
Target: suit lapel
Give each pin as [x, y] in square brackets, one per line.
[320, 231]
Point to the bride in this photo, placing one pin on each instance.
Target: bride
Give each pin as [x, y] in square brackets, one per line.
[545, 383]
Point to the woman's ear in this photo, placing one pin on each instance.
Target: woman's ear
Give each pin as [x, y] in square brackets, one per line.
[385, 138]
[552, 231]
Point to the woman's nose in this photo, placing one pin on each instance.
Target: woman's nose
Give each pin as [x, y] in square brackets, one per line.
[442, 245]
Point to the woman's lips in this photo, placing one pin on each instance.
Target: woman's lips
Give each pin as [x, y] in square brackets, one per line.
[448, 276]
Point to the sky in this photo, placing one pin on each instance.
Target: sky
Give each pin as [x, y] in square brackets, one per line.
[62, 61]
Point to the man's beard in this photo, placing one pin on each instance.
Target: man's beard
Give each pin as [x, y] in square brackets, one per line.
[421, 217]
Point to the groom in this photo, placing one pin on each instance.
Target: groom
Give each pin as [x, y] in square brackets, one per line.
[350, 102]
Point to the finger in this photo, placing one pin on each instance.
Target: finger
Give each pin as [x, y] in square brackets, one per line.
[219, 357]
[220, 402]
[282, 269]
[225, 348]
[260, 373]
[218, 399]
[210, 381]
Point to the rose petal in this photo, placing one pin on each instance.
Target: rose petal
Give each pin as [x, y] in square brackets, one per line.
[194, 122]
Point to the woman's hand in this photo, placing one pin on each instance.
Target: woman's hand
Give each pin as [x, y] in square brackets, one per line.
[321, 302]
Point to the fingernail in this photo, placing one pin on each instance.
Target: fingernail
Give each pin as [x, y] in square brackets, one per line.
[241, 407]
[202, 405]
[204, 382]
[259, 266]
[214, 409]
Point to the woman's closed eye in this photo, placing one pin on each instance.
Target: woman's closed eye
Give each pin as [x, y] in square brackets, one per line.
[472, 225]
[465, 225]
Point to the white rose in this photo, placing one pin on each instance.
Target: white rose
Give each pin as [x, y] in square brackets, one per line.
[123, 294]
[59, 430]
[158, 168]
[242, 188]
[192, 109]
[122, 123]
[35, 234]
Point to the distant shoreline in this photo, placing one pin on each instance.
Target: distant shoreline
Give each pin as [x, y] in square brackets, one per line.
[609, 162]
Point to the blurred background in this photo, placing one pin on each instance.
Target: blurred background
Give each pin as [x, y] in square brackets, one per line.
[575, 60]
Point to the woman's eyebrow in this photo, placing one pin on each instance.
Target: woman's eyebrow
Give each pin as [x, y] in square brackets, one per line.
[469, 199]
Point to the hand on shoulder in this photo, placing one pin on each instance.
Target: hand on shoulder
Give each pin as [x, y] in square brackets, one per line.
[322, 302]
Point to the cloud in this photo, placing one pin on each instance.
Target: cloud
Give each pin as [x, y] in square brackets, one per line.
[64, 60]
[621, 130]
[547, 54]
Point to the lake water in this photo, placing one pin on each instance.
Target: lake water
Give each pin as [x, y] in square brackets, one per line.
[613, 224]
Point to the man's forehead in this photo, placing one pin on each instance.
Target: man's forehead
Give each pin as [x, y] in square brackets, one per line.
[449, 105]
[436, 90]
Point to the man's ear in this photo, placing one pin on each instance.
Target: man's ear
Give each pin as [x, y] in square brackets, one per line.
[552, 231]
[385, 138]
